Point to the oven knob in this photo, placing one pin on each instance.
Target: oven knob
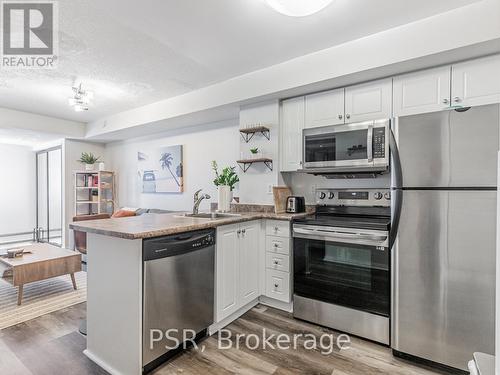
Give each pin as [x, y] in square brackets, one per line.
[378, 195]
[388, 195]
[322, 195]
[331, 195]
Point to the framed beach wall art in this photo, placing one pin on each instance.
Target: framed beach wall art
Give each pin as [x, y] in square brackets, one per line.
[160, 170]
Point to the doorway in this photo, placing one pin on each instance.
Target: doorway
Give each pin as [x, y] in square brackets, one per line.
[49, 223]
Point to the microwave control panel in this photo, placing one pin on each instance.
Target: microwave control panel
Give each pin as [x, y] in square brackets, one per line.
[379, 143]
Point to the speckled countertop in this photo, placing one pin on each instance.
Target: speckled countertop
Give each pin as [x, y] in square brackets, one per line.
[155, 225]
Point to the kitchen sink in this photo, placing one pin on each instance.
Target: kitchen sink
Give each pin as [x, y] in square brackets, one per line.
[211, 215]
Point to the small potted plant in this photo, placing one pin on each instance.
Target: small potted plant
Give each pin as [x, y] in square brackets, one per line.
[255, 152]
[89, 159]
[225, 182]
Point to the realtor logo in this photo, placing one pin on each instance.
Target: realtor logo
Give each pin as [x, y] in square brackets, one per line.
[29, 34]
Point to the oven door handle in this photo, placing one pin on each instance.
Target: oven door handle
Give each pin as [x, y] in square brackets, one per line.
[345, 237]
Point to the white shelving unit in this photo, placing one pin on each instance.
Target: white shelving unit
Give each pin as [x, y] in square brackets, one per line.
[94, 192]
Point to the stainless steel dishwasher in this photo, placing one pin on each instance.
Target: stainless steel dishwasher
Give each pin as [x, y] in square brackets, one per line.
[178, 291]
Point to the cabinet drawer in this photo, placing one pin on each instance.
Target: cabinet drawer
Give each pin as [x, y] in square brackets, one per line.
[278, 245]
[278, 262]
[278, 228]
[278, 285]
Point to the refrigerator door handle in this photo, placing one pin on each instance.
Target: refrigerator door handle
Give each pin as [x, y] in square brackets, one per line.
[397, 189]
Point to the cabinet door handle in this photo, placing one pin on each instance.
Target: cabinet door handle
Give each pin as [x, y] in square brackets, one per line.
[276, 286]
[340, 117]
[348, 116]
[238, 232]
[276, 229]
[446, 101]
[456, 99]
[276, 262]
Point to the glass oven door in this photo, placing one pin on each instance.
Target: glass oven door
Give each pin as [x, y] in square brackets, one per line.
[342, 266]
[338, 146]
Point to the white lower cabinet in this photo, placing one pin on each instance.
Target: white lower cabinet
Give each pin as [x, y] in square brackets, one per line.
[250, 264]
[237, 267]
[278, 285]
[278, 260]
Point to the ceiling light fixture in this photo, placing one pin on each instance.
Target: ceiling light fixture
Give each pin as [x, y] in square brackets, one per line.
[298, 8]
[81, 99]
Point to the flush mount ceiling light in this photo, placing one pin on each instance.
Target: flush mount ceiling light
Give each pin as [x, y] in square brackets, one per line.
[81, 99]
[298, 8]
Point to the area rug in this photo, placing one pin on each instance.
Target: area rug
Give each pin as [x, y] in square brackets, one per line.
[40, 298]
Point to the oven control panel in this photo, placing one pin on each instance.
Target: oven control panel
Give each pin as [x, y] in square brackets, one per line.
[354, 197]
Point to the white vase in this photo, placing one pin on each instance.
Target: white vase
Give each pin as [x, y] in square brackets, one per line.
[225, 198]
[102, 166]
[89, 167]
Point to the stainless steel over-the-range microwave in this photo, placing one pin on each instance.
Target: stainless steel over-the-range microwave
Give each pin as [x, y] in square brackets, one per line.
[359, 147]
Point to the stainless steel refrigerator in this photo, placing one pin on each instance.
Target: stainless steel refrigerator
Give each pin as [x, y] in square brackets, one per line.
[443, 306]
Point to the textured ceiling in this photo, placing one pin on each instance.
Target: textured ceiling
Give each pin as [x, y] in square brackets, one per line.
[133, 53]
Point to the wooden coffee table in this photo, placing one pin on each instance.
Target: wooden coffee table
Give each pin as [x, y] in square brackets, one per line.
[44, 262]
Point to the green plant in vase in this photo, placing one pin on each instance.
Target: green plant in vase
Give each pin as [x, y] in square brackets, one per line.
[225, 182]
[255, 152]
[89, 159]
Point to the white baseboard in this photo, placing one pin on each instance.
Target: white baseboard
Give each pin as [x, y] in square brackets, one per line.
[271, 302]
[231, 318]
[101, 363]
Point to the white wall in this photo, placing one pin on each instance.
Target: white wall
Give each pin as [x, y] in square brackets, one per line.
[201, 145]
[13, 119]
[337, 66]
[255, 183]
[17, 189]
[72, 150]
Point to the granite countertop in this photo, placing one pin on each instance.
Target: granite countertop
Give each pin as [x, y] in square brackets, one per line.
[155, 225]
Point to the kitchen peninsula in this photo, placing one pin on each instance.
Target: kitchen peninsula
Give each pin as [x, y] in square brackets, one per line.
[115, 312]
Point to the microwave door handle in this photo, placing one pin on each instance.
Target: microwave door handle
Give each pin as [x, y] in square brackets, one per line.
[369, 144]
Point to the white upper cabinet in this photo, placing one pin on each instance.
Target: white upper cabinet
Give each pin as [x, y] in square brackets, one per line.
[325, 108]
[368, 101]
[421, 92]
[291, 126]
[476, 82]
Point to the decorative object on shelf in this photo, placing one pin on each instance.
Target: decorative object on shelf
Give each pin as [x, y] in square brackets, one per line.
[246, 163]
[81, 98]
[280, 195]
[255, 152]
[225, 182]
[89, 159]
[102, 166]
[248, 133]
[161, 170]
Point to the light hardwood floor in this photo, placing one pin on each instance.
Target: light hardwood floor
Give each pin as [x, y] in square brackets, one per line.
[51, 345]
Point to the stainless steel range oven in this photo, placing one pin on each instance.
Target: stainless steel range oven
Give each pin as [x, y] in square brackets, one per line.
[360, 147]
[342, 263]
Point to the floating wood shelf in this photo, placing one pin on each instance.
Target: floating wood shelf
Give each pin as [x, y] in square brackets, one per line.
[246, 163]
[248, 133]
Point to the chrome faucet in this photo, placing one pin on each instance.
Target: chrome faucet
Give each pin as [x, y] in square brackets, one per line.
[197, 200]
